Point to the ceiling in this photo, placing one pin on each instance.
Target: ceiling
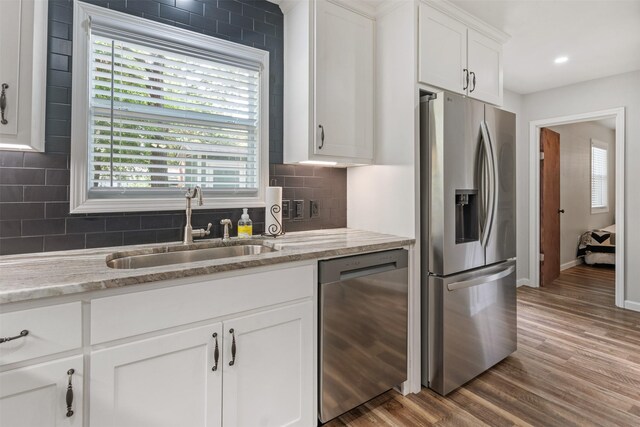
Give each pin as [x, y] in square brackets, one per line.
[600, 38]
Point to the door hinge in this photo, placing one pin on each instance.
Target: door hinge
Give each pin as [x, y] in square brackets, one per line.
[541, 257]
[542, 155]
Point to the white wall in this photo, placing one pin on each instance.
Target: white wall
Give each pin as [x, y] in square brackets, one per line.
[575, 183]
[611, 92]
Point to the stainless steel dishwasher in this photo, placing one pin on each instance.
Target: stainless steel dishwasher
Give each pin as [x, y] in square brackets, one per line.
[363, 329]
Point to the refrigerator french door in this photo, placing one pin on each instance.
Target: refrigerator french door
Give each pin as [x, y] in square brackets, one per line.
[468, 238]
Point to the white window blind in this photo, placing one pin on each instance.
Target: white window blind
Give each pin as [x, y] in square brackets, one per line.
[162, 119]
[599, 183]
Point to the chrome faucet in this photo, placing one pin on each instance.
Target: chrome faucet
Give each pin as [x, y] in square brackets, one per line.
[189, 232]
[227, 224]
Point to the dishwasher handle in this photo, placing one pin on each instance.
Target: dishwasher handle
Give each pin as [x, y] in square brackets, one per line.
[352, 267]
[367, 271]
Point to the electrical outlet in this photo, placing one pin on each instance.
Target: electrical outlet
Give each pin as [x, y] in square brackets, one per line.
[286, 209]
[298, 209]
[314, 208]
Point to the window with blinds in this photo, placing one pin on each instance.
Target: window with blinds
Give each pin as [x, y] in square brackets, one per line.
[161, 119]
[156, 109]
[599, 179]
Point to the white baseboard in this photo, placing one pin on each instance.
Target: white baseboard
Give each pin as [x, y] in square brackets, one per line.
[632, 305]
[523, 282]
[573, 263]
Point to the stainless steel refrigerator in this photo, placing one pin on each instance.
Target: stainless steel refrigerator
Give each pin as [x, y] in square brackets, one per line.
[468, 238]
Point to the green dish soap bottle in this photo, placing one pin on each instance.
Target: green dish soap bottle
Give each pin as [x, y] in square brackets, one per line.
[245, 226]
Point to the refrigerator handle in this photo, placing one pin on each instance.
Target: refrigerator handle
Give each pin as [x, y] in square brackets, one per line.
[495, 188]
[490, 214]
[481, 280]
[481, 177]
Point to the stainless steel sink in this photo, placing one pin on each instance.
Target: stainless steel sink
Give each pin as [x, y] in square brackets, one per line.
[184, 256]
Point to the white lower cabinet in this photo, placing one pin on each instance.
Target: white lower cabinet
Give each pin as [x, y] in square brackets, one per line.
[269, 382]
[231, 351]
[164, 381]
[43, 395]
[263, 375]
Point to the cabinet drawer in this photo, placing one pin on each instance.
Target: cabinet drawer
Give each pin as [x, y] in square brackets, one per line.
[51, 329]
[141, 312]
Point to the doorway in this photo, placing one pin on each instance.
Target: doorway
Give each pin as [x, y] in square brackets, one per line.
[536, 190]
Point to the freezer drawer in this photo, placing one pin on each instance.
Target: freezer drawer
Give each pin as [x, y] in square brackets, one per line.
[363, 329]
[472, 324]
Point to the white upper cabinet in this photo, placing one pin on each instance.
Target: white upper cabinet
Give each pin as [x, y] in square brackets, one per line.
[485, 66]
[329, 83]
[23, 74]
[442, 63]
[456, 56]
[344, 82]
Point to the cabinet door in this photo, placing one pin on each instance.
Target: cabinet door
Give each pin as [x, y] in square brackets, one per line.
[344, 83]
[23, 68]
[270, 380]
[165, 381]
[485, 62]
[442, 50]
[36, 396]
[10, 63]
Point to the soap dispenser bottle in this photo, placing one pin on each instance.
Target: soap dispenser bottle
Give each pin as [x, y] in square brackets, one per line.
[245, 226]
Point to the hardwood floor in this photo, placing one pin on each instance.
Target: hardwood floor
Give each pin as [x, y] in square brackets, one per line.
[577, 364]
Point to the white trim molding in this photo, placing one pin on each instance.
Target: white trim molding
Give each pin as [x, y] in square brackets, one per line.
[523, 282]
[534, 191]
[570, 264]
[469, 20]
[84, 16]
[632, 305]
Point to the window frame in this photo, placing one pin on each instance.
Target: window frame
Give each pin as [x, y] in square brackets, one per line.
[602, 146]
[84, 16]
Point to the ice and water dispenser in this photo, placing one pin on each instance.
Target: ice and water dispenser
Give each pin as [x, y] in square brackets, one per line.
[467, 229]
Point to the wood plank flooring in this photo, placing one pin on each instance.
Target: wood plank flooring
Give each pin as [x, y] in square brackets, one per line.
[577, 364]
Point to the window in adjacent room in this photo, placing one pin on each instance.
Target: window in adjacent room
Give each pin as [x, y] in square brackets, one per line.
[599, 177]
[157, 109]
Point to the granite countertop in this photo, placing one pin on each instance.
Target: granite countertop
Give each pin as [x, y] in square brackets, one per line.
[40, 275]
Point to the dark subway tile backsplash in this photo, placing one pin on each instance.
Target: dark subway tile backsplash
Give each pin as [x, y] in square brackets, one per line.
[34, 187]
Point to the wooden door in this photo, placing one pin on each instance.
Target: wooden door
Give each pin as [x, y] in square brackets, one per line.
[36, 395]
[344, 83]
[485, 68]
[164, 381]
[270, 382]
[442, 48]
[549, 206]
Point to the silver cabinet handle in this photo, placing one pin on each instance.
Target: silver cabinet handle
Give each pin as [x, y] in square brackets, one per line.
[216, 353]
[23, 333]
[233, 347]
[321, 137]
[69, 397]
[3, 103]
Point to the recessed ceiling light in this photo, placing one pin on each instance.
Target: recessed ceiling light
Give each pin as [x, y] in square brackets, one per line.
[561, 59]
